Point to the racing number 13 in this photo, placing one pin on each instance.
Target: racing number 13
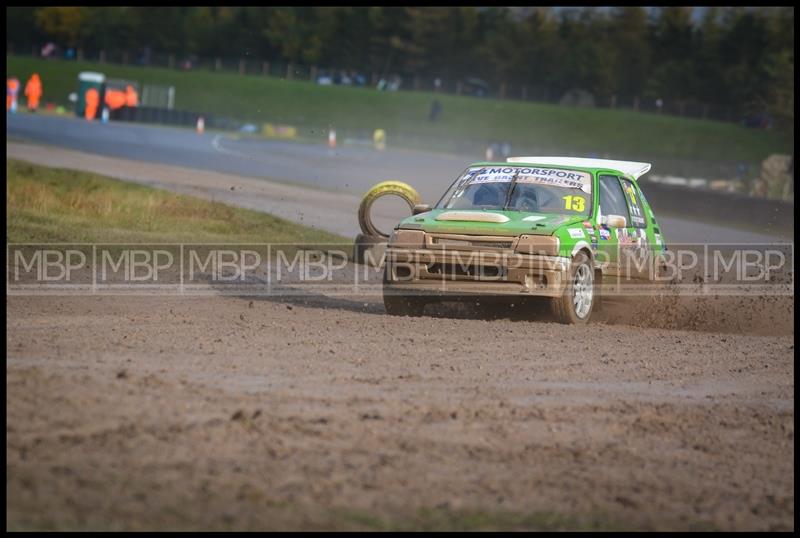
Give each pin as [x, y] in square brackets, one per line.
[574, 203]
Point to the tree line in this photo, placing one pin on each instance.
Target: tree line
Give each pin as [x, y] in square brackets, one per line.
[738, 57]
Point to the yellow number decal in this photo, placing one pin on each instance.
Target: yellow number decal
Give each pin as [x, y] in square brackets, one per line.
[574, 203]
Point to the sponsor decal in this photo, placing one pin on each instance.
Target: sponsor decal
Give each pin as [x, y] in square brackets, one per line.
[631, 193]
[543, 176]
[635, 243]
[575, 233]
[605, 234]
[534, 218]
[631, 237]
[463, 181]
[658, 239]
[637, 215]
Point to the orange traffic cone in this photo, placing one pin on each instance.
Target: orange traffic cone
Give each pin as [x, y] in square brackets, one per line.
[201, 125]
[332, 138]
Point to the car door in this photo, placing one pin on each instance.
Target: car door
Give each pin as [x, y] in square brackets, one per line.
[635, 250]
[611, 202]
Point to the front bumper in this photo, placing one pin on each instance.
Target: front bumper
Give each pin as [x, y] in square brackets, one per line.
[454, 272]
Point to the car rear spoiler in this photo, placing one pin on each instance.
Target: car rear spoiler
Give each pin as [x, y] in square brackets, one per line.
[630, 168]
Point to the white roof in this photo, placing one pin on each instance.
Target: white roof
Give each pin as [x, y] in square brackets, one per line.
[91, 76]
[626, 167]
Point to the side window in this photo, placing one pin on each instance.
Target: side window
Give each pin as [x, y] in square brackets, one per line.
[612, 199]
[633, 198]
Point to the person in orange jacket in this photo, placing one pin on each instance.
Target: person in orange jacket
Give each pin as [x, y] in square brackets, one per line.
[33, 91]
[131, 97]
[12, 89]
[115, 98]
[92, 102]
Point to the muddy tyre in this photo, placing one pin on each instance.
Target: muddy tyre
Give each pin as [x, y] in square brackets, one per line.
[575, 305]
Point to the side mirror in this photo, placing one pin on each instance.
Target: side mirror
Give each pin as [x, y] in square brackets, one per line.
[614, 221]
[420, 208]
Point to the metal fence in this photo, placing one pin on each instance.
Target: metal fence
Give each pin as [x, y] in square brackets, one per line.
[158, 96]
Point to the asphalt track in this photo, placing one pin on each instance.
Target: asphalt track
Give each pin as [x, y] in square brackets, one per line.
[348, 169]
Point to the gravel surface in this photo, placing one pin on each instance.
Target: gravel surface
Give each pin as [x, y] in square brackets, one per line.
[302, 413]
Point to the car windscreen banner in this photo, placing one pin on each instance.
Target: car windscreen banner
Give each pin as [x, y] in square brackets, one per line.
[555, 177]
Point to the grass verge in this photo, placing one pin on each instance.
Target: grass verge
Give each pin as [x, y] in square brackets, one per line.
[55, 205]
[292, 517]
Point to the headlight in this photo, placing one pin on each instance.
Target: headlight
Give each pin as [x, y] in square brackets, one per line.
[538, 244]
[407, 239]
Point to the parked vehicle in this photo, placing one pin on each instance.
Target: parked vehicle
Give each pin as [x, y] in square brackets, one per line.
[475, 87]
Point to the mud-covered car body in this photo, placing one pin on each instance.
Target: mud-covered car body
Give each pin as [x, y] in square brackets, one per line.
[516, 228]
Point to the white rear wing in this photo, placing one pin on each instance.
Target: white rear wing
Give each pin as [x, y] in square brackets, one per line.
[626, 167]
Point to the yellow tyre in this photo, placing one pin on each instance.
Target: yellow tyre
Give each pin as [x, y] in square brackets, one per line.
[395, 188]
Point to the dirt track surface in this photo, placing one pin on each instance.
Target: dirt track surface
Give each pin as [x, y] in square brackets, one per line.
[291, 413]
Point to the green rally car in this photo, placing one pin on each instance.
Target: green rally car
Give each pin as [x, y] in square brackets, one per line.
[552, 227]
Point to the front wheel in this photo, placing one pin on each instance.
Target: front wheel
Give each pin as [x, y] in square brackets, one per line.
[575, 304]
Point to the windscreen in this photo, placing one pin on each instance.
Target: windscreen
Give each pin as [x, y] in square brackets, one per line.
[521, 188]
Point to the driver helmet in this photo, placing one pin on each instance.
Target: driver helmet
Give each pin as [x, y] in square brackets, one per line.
[526, 198]
[487, 195]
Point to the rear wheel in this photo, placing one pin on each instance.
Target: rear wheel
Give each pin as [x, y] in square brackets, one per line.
[575, 304]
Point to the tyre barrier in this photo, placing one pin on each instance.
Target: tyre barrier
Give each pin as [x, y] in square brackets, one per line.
[386, 188]
[370, 245]
[369, 250]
